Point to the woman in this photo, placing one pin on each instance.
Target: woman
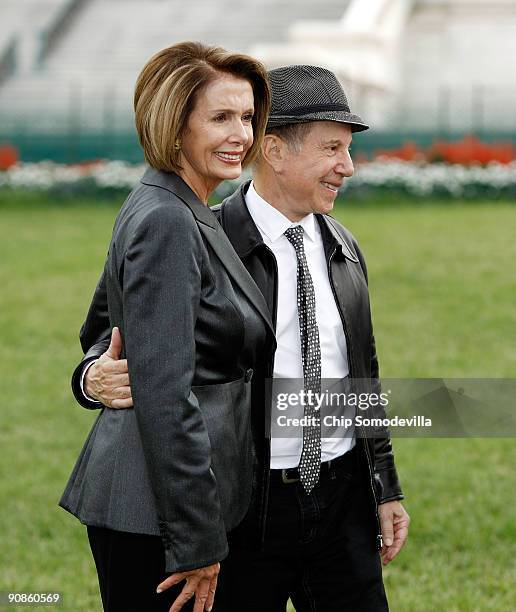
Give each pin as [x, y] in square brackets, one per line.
[159, 486]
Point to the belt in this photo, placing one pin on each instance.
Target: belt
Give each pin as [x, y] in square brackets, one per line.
[345, 462]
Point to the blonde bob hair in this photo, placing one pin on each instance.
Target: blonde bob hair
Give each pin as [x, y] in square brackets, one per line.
[166, 91]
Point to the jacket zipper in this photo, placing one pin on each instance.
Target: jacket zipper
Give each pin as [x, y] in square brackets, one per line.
[379, 539]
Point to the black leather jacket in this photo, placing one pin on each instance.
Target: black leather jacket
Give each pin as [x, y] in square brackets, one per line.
[348, 279]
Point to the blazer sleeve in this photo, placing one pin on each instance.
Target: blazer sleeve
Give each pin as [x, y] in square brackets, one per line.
[161, 292]
[95, 336]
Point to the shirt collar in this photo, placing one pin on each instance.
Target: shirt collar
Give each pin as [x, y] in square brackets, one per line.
[270, 221]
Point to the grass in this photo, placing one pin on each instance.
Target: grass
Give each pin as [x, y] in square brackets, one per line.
[443, 293]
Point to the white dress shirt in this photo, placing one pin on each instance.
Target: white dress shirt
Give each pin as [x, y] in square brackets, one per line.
[286, 452]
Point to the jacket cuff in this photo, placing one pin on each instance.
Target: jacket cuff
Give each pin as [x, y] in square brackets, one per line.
[387, 485]
[183, 554]
[85, 368]
[77, 390]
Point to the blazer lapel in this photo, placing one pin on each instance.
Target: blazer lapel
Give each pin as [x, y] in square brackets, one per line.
[215, 237]
[224, 250]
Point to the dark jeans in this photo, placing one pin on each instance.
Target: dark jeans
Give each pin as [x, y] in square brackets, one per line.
[320, 551]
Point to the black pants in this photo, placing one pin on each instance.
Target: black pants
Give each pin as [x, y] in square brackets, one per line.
[130, 566]
[320, 550]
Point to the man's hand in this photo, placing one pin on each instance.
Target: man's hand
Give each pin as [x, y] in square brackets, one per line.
[394, 522]
[200, 583]
[107, 380]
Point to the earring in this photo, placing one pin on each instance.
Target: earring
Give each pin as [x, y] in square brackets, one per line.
[177, 144]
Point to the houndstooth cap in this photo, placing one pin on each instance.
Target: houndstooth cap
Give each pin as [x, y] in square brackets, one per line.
[309, 93]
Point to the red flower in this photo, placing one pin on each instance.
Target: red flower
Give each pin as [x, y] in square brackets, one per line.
[8, 156]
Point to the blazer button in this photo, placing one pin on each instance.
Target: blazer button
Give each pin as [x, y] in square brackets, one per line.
[248, 375]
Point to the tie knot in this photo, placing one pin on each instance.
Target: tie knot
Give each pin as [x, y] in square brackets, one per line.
[295, 236]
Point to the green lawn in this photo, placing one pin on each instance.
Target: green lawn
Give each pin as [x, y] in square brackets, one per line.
[443, 287]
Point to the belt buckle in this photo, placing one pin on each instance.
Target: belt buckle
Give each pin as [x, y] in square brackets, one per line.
[285, 478]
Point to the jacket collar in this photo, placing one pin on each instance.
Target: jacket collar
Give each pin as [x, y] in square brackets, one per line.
[245, 236]
[237, 222]
[333, 239]
[214, 235]
[176, 185]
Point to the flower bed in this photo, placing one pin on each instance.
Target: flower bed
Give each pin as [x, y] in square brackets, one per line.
[468, 151]
[394, 177]
[385, 177]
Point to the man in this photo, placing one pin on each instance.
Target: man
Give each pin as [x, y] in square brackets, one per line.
[321, 506]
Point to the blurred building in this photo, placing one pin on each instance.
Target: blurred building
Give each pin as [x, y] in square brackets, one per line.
[436, 65]
[425, 66]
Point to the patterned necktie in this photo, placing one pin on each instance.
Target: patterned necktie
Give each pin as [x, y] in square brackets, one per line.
[310, 462]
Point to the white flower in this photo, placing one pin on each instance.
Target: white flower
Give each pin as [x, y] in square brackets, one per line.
[413, 179]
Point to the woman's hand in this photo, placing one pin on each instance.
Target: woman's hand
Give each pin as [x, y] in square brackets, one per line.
[200, 583]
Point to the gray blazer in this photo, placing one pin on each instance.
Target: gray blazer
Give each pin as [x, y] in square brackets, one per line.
[193, 323]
